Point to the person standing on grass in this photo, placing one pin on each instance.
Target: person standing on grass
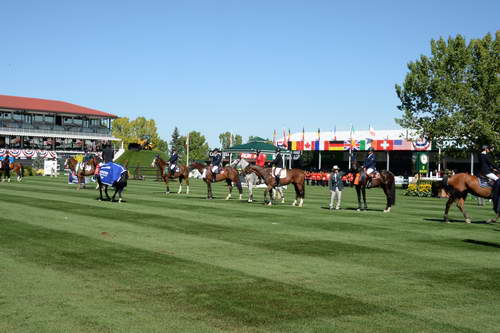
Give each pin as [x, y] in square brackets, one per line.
[336, 186]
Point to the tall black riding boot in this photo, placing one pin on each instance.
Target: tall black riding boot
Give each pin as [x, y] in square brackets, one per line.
[277, 180]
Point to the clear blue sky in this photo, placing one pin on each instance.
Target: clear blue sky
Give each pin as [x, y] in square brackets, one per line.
[212, 66]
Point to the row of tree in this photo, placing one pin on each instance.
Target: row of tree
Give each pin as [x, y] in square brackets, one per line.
[131, 131]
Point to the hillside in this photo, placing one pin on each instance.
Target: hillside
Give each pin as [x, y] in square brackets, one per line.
[141, 158]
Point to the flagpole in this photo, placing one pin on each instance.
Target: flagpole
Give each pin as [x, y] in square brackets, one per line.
[387, 160]
[187, 149]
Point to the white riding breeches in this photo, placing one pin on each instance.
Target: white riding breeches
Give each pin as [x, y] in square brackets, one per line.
[492, 176]
[370, 170]
[276, 171]
[215, 168]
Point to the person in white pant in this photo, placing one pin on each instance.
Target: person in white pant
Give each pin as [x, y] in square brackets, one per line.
[336, 186]
[488, 168]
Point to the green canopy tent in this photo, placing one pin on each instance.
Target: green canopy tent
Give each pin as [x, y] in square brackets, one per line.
[252, 147]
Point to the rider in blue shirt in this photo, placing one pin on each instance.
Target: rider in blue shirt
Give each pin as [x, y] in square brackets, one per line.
[173, 161]
[215, 162]
[370, 165]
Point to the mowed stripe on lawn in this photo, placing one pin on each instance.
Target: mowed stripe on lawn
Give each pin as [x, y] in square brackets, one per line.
[307, 260]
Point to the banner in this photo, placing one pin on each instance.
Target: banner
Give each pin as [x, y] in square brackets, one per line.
[28, 153]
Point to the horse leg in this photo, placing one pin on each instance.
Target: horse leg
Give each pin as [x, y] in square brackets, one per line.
[302, 193]
[451, 199]
[209, 190]
[363, 191]
[106, 192]
[460, 205]
[494, 220]
[180, 186]
[270, 192]
[187, 184]
[100, 192]
[167, 190]
[358, 194]
[230, 188]
[250, 189]
[240, 189]
[387, 196]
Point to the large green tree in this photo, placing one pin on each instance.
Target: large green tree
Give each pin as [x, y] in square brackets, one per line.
[227, 139]
[454, 93]
[131, 130]
[198, 147]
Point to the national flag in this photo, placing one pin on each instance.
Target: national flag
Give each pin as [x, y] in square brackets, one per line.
[274, 138]
[355, 144]
[372, 131]
[285, 139]
[334, 145]
[296, 145]
[402, 145]
[316, 145]
[307, 145]
[383, 144]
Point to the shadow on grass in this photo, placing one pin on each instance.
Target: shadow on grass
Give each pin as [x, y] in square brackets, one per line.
[368, 209]
[472, 241]
[454, 221]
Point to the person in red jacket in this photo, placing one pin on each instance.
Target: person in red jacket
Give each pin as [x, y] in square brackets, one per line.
[260, 159]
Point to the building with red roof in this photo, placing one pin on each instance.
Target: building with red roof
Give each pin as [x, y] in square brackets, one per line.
[35, 123]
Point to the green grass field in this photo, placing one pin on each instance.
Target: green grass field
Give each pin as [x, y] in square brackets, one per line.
[69, 263]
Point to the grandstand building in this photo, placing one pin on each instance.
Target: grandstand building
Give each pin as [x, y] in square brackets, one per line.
[28, 124]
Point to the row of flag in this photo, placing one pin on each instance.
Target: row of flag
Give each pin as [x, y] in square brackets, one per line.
[287, 137]
[346, 145]
[350, 144]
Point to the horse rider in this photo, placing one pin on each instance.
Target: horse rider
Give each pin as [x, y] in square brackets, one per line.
[108, 153]
[215, 162]
[488, 168]
[173, 162]
[260, 160]
[370, 166]
[277, 164]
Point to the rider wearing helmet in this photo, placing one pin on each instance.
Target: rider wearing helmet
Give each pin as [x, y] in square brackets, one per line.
[173, 161]
[277, 164]
[260, 160]
[370, 165]
[215, 162]
[488, 168]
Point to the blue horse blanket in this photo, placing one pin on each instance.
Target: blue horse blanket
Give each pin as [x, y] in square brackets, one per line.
[110, 173]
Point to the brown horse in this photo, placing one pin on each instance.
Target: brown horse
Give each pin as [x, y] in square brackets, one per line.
[229, 174]
[16, 167]
[458, 186]
[86, 169]
[383, 179]
[181, 172]
[294, 176]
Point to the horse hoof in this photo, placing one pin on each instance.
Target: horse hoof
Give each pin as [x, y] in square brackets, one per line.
[358, 210]
[269, 204]
[491, 221]
[250, 201]
[468, 221]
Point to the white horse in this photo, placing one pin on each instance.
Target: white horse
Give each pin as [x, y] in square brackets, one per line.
[252, 180]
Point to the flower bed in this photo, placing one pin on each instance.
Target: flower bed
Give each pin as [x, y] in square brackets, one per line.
[419, 190]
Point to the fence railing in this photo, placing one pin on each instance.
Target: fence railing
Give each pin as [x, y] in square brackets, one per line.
[142, 173]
